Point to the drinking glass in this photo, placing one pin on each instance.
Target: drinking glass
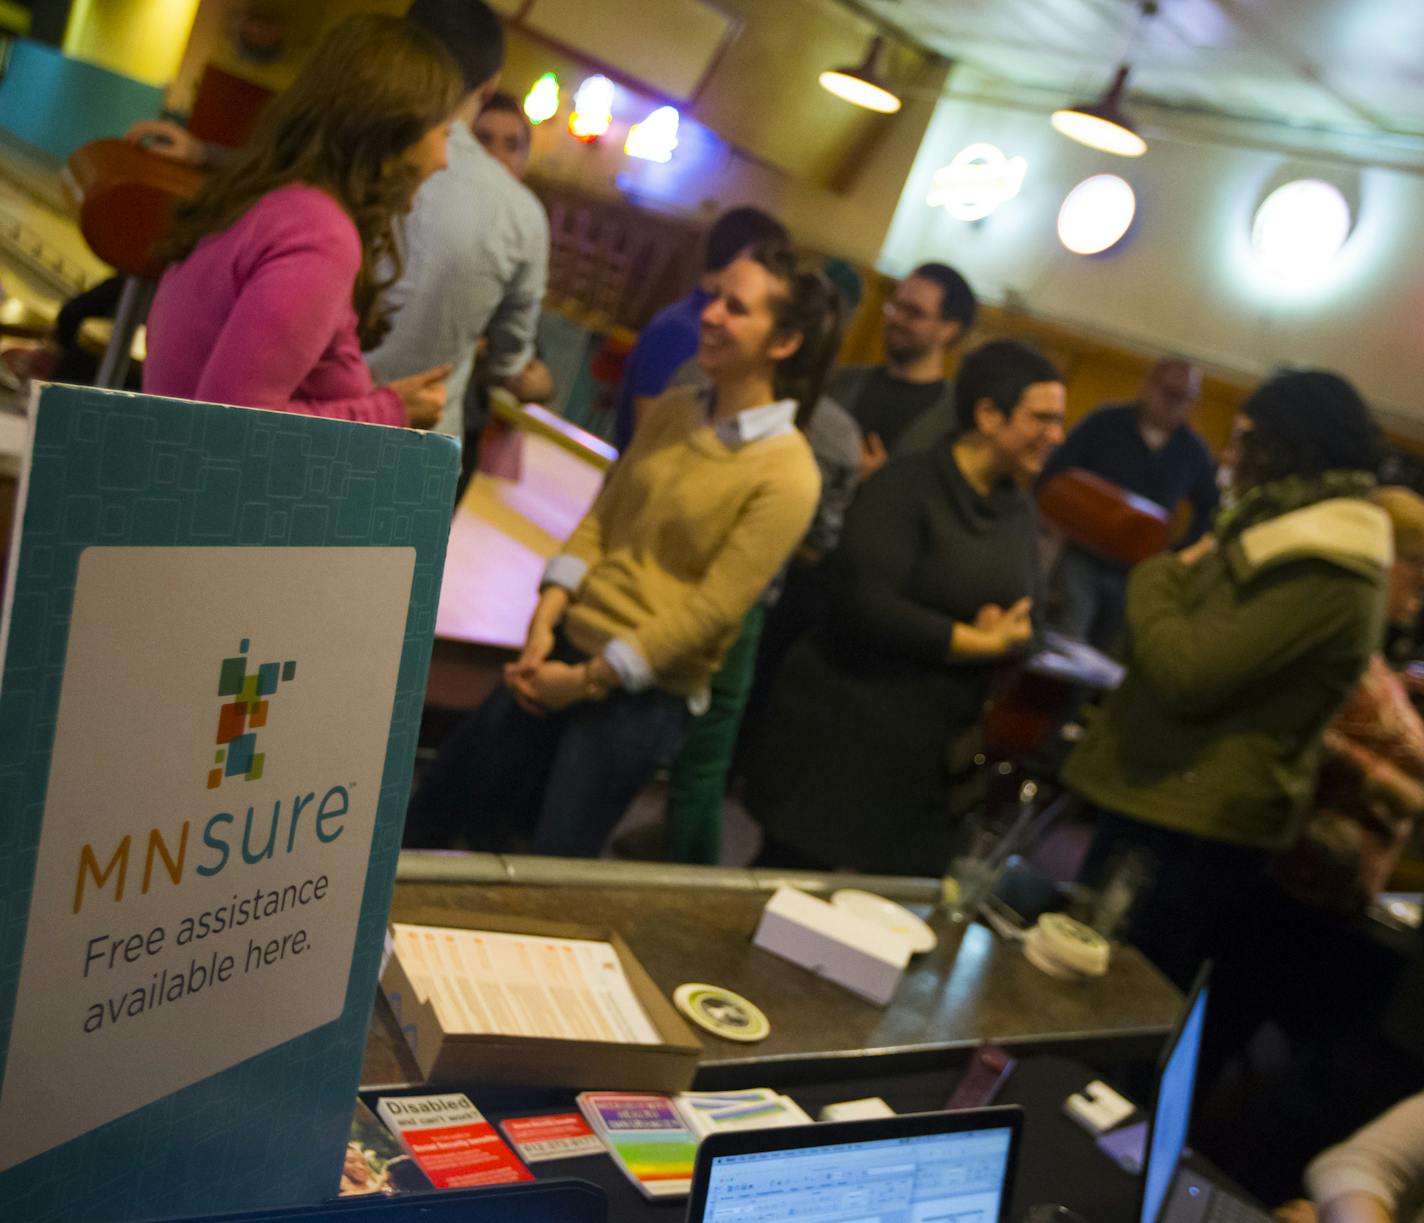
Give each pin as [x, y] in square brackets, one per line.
[973, 871]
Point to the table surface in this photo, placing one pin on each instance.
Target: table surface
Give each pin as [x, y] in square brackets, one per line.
[501, 536]
[973, 987]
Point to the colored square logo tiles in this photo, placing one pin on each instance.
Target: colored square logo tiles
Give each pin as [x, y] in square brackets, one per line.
[247, 691]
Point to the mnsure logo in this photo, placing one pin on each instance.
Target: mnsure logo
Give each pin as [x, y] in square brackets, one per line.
[243, 712]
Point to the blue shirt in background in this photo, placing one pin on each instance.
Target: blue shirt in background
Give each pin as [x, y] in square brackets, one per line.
[669, 339]
[1108, 443]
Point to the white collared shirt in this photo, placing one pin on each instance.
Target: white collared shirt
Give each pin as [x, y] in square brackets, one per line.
[754, 424]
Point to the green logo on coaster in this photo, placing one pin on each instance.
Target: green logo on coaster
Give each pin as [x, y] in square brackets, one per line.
[722, 1012]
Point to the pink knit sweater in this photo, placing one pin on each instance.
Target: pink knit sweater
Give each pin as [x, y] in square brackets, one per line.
[260, 315]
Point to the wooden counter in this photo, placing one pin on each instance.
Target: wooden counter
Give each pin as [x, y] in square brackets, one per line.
[973, 988]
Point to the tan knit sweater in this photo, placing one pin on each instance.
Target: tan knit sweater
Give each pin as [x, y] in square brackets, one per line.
[684, 538]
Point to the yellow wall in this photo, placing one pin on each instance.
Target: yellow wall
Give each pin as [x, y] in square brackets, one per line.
[143, 39]
[1095, 371]
[14, 18]
[306, 21]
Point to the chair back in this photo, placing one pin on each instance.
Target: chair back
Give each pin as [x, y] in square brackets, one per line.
[126, 197]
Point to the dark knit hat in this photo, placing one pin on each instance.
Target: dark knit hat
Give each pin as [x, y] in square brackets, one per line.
[1317, 419]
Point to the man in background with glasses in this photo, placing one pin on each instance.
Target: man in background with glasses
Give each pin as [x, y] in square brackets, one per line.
[906, 404]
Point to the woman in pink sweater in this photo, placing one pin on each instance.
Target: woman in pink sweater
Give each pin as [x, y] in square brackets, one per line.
[280, 262]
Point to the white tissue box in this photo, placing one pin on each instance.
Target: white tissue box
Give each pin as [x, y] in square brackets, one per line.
[864, 958]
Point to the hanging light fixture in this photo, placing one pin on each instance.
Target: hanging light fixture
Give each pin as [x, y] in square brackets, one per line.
[1103, 125]
[861, 85]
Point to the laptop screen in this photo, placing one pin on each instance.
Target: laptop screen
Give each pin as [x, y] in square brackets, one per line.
[959, 1177]
[1174, 1110]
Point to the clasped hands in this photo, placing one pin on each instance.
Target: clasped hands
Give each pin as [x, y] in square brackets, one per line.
[539, 685]
[1006, 627]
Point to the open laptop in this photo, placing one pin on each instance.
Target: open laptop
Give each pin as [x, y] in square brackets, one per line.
[922, 1168]
[1172, 1193]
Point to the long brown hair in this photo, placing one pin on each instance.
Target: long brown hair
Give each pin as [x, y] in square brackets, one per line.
[369, 90]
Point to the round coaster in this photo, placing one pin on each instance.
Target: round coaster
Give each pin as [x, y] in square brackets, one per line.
[722, 1012]
[1074, 945]
[1043, 959]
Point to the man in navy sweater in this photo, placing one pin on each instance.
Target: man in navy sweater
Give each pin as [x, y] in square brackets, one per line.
[1148, 448]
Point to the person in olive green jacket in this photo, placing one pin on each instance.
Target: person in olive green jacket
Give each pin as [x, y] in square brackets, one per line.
[1240, 649]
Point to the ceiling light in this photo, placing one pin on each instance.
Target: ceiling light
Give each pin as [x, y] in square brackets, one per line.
[1102, 124]
[1096, 214]
[1300, 227]
[861, 85]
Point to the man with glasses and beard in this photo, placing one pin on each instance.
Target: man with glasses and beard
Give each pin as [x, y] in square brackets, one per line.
[906, 404]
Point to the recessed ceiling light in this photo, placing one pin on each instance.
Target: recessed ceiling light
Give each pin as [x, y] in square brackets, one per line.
[1096, 214]
[1300, 227]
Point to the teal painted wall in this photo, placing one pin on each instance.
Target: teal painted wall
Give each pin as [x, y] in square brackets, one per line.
[55, 103]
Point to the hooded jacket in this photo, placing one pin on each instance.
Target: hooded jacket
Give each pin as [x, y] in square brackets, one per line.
[1234, 667]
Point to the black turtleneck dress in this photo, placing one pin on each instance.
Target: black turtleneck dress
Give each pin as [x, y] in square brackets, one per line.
[853, 768]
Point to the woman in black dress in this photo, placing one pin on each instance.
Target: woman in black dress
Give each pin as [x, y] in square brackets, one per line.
[932, 585]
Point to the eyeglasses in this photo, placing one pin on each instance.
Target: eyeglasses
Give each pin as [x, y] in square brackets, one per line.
[911, 314]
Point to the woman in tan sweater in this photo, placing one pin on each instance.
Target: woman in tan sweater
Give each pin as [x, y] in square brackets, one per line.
[711, 497]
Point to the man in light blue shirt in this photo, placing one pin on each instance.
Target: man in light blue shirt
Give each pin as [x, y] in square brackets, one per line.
[477, 241]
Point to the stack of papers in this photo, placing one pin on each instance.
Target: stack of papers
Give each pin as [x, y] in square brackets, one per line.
[757, 1108]
[646, 1137]
[654, 1138]
[483, 982]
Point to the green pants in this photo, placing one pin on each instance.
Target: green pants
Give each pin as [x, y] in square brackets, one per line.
[699, 774]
